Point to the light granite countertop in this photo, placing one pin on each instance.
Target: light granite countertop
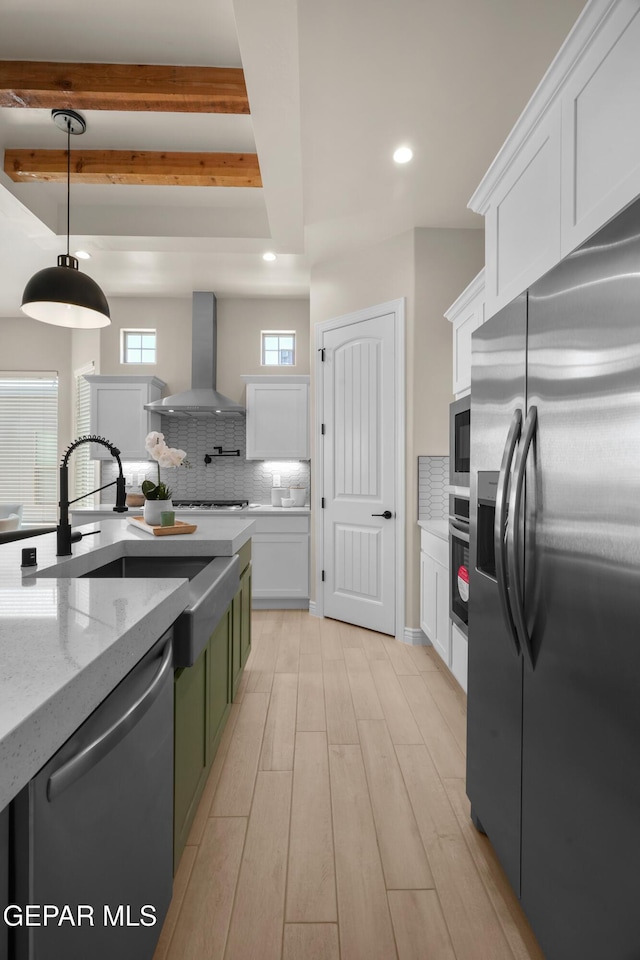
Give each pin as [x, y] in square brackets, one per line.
[65, 643]
[439, 528]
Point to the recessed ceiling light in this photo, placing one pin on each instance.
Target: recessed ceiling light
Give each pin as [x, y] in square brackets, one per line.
[403, 154]
[269, 256]
[82, 255]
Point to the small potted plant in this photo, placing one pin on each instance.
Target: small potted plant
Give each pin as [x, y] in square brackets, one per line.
[158, 495]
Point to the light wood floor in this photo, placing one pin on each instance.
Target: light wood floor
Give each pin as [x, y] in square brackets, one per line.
[334, 823]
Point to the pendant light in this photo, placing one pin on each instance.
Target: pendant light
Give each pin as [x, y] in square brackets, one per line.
[62, 295]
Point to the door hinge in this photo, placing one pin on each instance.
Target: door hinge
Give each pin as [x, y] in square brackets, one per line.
[322, 503]
[322, 429]
[323, 574]
[321, 352]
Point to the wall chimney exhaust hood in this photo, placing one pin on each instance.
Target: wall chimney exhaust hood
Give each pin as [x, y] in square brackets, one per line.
[202, 400]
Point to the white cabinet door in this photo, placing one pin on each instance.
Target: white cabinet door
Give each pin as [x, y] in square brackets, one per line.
[459, 656]
[118, 414]
[463, 327]
[280, 569]
[277, 420]
[466, 314]
[522, 227]
[434, 604]
[600, 132]
[428, 595]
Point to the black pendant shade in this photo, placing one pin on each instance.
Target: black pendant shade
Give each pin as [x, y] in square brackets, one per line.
[62, 295]
[65, 297]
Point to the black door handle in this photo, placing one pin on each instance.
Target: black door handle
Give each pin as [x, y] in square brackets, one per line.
[387, 514]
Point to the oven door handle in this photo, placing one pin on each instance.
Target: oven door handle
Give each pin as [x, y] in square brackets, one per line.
[513, 535]
[500, 525]
[460, 530]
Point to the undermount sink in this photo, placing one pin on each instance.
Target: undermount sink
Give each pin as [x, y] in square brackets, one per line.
[183, 567]
[213, 583]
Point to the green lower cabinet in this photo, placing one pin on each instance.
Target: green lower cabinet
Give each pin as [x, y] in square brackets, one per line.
[245, 615]
[219, 682]
[190, 748]
[203, 696]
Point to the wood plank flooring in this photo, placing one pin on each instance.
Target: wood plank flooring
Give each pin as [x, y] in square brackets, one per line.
[334, 824]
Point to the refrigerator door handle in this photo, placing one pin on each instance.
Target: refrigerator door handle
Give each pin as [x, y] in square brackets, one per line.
[499, 532]
[88, 757]
[513, 534]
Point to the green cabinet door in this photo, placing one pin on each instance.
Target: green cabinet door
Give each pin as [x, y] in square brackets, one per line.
[219, 693]
[245, 616]
[190, 747]
[236, 636]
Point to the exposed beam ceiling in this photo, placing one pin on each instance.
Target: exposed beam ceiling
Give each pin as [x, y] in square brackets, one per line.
[134, 167]
[122, 86]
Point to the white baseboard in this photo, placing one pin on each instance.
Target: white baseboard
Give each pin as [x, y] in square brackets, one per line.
[416, 637]
[258, 603]
[312, 608]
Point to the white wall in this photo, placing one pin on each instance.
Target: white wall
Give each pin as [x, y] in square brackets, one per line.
[429, 268]
[239, 324]
[171, 318]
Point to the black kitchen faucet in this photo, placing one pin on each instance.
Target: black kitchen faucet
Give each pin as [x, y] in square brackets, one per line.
[63, 531]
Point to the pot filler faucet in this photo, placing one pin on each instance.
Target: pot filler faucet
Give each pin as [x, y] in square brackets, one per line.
[63, 531]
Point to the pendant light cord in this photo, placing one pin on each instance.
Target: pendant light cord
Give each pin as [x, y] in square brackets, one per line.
[68, 181]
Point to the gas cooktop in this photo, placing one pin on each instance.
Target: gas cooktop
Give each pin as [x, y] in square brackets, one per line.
[210, 504]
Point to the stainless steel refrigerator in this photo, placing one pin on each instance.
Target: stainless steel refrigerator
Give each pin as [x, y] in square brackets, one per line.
[553, 770]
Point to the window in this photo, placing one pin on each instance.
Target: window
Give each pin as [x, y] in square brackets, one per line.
[278, 348]
[29, 443]
[137, 346]
[82, 466]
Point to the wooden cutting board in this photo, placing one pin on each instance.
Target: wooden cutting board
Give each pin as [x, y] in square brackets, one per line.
[179, 527]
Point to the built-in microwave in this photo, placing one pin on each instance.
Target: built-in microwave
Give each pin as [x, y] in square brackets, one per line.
[460, 442]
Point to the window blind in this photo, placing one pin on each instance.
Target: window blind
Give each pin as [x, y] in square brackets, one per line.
[29, 445]
[82, 464]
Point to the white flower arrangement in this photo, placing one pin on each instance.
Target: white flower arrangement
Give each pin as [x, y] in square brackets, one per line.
[165, 457]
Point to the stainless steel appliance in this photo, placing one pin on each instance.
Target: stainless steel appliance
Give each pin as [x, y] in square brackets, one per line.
[459, 560]
[554, 666]
[459, 442]
[95, 826]
[193, 504]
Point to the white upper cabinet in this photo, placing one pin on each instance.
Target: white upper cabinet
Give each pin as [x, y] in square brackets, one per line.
[465, 315]
[522, 226]
[572, 160]
[601, 133]
[118, 414]
[277, 417]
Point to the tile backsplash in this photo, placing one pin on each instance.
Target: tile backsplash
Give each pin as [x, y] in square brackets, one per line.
[225, 478]
[433, 484]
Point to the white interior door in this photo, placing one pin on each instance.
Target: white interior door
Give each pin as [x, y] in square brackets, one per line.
[359, 417]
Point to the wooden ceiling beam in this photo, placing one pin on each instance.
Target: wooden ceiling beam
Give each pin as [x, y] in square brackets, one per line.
[122, 86]
[134, 167]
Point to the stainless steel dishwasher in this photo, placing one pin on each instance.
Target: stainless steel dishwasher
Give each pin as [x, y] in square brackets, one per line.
[94, 828]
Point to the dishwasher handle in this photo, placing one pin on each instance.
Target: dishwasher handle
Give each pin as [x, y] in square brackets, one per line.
[95, 751]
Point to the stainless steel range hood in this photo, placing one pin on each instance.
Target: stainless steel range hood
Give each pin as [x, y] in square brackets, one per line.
[202, 400]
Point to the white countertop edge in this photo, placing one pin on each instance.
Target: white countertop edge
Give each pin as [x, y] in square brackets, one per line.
[439, 528]
[32, 739]
[183, 513]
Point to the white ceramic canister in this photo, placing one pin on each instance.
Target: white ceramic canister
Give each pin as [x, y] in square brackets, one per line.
[299, 496]
[277, 493]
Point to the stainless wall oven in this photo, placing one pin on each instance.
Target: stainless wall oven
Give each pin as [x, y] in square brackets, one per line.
[459, 560]
[460, 442]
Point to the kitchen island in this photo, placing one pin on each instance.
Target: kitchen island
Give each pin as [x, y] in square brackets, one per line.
[67, 641]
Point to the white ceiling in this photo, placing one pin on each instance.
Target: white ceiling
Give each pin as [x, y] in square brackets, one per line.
[334, 87]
